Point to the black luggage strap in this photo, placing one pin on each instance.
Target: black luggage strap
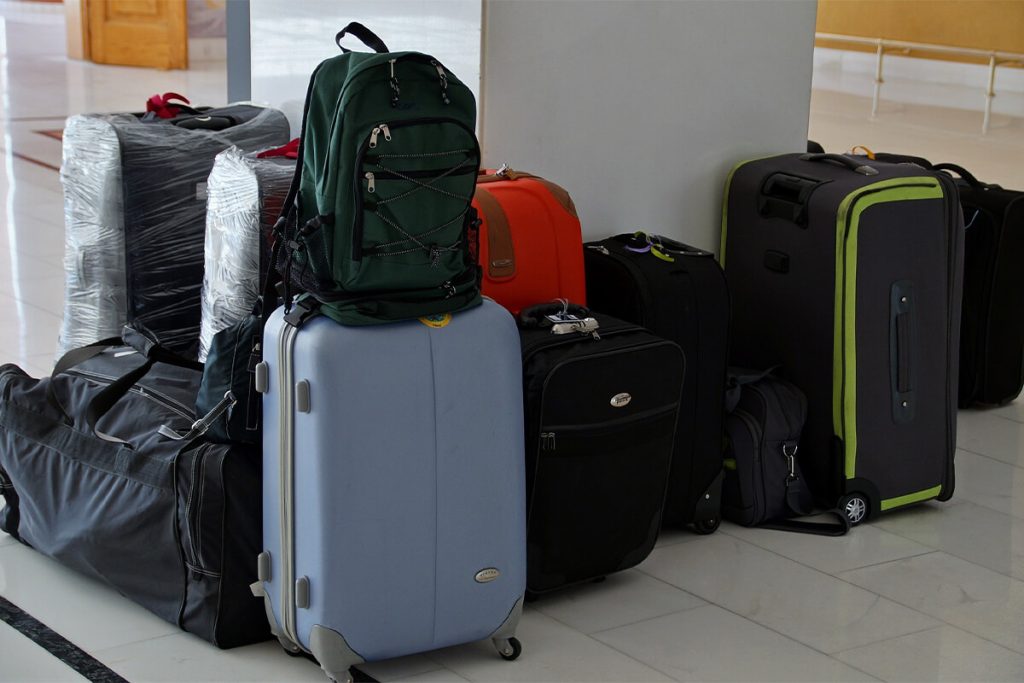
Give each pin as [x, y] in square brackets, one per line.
[203, 424]
[304, 309]
[794, 498]
[838, 528]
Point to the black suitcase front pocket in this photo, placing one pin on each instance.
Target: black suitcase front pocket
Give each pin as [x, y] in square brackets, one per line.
[598, 493]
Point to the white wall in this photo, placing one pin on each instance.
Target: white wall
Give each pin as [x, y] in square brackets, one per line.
[640, 108]
[290, 37]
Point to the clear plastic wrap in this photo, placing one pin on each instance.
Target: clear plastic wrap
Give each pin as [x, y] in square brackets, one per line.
[135, 218]
[244, 197]
[95, 299]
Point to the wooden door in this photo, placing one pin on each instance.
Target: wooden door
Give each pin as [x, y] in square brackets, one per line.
[151, 33]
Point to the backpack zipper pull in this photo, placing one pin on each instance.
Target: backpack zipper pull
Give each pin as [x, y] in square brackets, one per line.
[599, 248]
[375, 133]
[444, 81]
[370, 186]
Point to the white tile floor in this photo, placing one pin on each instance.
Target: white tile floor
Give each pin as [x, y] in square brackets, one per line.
[930, 594]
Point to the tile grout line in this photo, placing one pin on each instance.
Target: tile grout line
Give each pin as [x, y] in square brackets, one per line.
[967, 502]
[615, 649]
[989, 457]
[769, 628]
[826, 574]
[928, 551]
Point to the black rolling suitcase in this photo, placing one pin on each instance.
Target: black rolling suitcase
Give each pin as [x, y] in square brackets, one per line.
[677, 292]
[600, 407]
[992, 334]
[847, 272]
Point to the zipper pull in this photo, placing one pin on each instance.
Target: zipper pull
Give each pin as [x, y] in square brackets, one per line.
[393, 82]
[599, 248]
[387, 132]
[369, 183]
[444, 81]
[373, 137]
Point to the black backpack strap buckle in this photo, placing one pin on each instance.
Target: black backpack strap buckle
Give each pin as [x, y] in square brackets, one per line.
[303, 310]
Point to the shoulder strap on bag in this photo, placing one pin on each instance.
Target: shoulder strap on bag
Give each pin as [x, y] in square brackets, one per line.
[838, 528]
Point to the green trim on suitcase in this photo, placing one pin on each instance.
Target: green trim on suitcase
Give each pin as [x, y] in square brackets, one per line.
[725, 205]
[844, 357]
[917, 497]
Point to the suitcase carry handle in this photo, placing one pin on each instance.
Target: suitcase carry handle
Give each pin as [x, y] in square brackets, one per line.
[853, 164]
[967, 176]
[368, 38]
[785, 196]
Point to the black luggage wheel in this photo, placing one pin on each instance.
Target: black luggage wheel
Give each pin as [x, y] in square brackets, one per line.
[707, 526]
[856, 506]
[509, 649]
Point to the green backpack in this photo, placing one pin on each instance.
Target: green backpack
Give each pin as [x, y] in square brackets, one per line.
[378, 225]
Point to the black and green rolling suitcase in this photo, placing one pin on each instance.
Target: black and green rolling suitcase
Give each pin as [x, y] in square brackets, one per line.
[848, 273]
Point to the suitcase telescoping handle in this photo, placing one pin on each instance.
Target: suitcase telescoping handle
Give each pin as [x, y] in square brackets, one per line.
[855, 165]
[369, 38]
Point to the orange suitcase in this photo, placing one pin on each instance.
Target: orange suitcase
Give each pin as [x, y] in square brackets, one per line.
[531, 246]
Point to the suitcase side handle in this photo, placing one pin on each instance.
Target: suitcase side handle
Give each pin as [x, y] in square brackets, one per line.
[854, 165]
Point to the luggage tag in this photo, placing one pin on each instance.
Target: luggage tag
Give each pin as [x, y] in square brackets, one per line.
[565, 322]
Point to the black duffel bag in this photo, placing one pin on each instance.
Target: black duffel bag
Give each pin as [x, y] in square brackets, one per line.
[763, 483]
[104, 467]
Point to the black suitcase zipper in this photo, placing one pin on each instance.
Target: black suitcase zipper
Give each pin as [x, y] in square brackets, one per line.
[551, 432]
[194, 513]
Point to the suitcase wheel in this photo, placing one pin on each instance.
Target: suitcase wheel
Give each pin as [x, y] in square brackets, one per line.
[346, 679]
[509, 649]
[856, 507]
[706, 526]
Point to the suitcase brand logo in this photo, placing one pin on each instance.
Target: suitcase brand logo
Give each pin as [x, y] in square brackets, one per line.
[436, 321]
[487, 575]
[621, 400]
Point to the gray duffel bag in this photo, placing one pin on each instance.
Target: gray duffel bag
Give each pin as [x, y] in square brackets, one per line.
[104, 468]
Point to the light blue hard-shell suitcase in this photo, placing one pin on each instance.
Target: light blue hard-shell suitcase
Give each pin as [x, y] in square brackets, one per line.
[394, 498]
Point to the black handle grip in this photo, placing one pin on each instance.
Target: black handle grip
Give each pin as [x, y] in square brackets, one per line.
[854, 165]
[785, 196]
[967, 176]
[368, 37]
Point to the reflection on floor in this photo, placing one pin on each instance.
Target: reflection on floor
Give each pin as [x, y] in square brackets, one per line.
[933, 593]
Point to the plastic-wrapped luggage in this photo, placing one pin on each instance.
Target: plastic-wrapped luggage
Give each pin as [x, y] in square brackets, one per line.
[244, 197]
[135, 208]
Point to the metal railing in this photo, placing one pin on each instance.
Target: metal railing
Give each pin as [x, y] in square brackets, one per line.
[996, 58]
